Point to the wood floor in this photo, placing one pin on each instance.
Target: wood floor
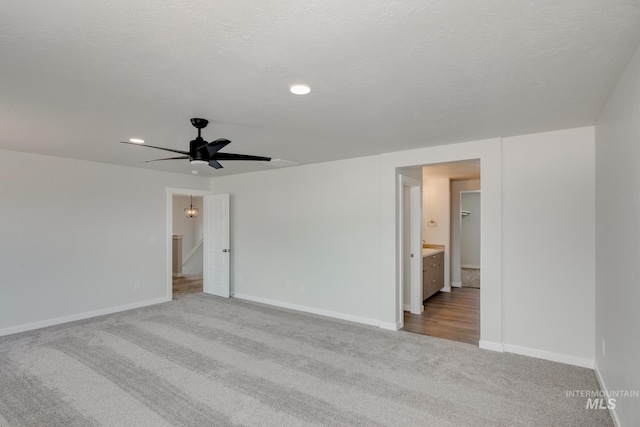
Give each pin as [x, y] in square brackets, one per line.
[184, 284]
[451, 315]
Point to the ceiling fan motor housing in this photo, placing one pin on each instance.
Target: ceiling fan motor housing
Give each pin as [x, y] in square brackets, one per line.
[198, 151]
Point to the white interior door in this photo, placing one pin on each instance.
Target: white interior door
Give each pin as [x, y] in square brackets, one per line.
[410, 246]
[415, 242]
[216, 245]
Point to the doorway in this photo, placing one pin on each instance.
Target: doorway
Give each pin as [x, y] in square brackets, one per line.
[450, 310]
[186, 280]
[187, 247]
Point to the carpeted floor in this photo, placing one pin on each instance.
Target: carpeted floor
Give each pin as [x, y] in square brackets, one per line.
[205, 361]
[471, 278]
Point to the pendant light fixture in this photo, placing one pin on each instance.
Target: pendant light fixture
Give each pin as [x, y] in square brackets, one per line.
[191, 212]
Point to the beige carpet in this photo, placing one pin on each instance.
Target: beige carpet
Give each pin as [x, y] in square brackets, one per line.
[208, 361]
[471, 278]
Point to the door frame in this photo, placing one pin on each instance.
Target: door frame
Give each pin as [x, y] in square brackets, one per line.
[415, 244]
[489, 151]
[171, 191]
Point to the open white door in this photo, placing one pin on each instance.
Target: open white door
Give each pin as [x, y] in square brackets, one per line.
[215, 218]
[410, 246]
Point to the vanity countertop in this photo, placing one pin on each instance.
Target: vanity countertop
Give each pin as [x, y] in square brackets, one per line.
[430, 251]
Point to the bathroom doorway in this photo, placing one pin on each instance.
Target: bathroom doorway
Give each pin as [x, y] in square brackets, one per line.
[451, 311]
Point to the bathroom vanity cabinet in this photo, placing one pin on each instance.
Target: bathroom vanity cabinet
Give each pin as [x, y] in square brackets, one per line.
[432, 271]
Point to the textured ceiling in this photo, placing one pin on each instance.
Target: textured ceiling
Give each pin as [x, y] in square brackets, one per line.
[79, 76]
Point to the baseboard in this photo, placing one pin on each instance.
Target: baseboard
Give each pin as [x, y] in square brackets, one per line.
[313, 310]
[81, 316]
[446, 289]
[456, 284]
[390, 326]
[407, 307]
[603, 387]
[547, 355]
[490, 345]
[474, 267]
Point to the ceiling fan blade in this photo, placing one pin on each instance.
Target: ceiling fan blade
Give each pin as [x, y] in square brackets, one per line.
[168, 158]
[232, 156]
[215, 164]
[214, 146]
[159, 148]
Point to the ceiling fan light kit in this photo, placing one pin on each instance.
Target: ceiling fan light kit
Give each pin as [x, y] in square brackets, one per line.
[202, 152]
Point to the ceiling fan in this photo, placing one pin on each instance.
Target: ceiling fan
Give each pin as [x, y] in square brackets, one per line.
[202, 152]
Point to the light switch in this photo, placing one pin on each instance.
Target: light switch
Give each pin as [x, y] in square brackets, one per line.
[153, 240]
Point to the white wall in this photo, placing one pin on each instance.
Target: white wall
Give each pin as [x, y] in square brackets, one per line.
[198, 226]
[195, 264]
[470, 231]
[456, 188]
[549, 242]
[308, 236]
[617, 242]
[320, 237]
[76, 236]
[436, 206]
[182, 225]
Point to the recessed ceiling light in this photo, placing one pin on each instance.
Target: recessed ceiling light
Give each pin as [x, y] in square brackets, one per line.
[137, 141]
[300, 89]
